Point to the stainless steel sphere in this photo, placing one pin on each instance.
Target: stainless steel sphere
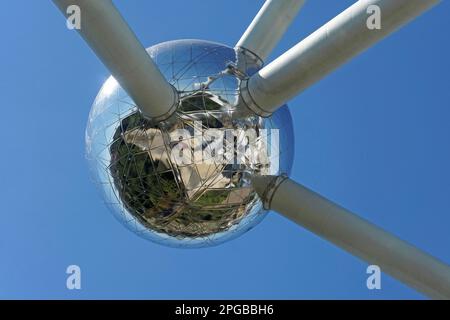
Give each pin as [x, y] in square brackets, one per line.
[169, 182]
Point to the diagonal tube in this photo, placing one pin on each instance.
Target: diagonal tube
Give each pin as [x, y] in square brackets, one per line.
[355, 235]
[110, 37]
[269, 26]
[326, 49]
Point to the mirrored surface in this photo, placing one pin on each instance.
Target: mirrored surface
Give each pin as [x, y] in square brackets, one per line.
[185, 182]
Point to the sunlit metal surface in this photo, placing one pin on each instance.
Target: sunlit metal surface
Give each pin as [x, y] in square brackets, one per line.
[197, 203]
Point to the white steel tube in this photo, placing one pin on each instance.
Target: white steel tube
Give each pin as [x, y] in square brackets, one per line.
[110, 37]
[269, 26]
[325, 50]
[355, 235]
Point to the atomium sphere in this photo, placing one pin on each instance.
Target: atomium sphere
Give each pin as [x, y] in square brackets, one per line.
[185, 181]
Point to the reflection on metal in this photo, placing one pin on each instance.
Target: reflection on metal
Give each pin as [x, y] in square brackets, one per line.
[248, 61]
[177, 204]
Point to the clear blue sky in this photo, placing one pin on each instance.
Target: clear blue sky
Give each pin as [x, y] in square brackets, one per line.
[374, 137]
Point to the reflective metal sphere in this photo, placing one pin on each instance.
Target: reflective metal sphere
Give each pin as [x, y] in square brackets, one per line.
[168, 182]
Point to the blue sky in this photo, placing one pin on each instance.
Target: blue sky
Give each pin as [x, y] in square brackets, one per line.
[373, 136]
